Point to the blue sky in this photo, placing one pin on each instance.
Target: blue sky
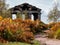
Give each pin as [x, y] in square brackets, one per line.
[45, 5]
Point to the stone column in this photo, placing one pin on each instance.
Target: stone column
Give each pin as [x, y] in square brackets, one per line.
[32, 17]
[29, 15]
[23, 16]
[39, 16]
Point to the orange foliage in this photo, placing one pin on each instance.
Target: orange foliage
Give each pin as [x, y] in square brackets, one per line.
[20, 30]
[54, 28]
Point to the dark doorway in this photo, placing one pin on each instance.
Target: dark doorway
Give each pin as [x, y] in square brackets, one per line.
[35, 16]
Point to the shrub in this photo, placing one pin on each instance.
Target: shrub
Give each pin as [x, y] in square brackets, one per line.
[57, 34]
[20, 30]
[50, 25]
[38, 26]
[55, 31]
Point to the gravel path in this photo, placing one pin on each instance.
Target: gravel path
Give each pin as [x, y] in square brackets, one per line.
[47, 41]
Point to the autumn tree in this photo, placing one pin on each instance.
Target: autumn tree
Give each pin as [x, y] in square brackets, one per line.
[53, 15]
[3, 8]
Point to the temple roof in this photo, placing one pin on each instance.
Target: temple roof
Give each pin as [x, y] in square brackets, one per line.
[25, 6]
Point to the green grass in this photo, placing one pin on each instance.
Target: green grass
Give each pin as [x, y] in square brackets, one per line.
[20, 43]
[14, 43]
[36, 42]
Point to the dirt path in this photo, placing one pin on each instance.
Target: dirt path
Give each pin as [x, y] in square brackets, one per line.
[47, 41]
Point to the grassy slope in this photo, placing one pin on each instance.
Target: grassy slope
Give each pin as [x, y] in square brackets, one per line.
[19, 43]
[14, 43]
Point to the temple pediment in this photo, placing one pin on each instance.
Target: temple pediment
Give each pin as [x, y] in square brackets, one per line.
[28, 9]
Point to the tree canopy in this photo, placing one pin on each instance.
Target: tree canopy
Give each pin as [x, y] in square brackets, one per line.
[54, 15]
[3, 8]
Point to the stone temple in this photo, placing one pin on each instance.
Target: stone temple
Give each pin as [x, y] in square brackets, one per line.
[26, 11]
